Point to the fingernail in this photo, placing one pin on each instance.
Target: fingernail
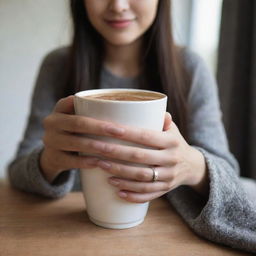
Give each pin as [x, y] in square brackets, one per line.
[114, 130]
[114, 182]
[122, 194]
[104, 165]
[169, 115]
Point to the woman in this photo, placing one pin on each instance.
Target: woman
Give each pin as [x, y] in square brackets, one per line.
[128, 43]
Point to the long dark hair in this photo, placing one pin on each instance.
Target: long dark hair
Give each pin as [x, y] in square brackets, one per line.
[163, 69]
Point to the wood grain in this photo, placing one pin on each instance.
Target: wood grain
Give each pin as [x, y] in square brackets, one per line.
[33, 226]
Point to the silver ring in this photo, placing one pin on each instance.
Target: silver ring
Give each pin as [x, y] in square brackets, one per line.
[155, 174]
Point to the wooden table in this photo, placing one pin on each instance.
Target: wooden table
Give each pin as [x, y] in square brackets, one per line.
[34, 226]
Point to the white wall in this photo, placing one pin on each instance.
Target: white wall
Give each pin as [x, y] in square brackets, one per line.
[196, 25]
[204, 29]
[28, 29]
[182, 12]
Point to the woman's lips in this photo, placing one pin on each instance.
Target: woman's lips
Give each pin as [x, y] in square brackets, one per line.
[119, 23]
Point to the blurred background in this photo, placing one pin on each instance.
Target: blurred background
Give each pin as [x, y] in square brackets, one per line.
[31, 28]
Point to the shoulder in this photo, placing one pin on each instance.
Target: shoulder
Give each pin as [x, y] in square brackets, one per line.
[56, 56]
[192, 61]
[201, 77]
[52, 72]
[54, 63]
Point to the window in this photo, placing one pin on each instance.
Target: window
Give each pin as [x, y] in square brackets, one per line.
[196, 25]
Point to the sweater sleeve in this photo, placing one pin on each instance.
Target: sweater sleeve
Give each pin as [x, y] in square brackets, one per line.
[227, 216]
[24, 171]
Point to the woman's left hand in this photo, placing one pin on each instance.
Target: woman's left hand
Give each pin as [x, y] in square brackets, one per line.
[175, 161]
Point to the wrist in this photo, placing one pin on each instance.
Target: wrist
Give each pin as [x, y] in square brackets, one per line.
[48, 172]
[200, 179]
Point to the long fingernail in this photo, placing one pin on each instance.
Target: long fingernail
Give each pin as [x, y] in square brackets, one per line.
[104, 165]
[114, 130]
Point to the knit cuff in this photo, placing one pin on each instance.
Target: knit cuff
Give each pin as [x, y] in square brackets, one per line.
[38, 184]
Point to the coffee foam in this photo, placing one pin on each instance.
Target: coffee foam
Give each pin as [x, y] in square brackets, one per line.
[126, 96]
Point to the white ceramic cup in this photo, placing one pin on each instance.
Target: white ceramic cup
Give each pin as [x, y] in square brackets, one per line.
[104, 207]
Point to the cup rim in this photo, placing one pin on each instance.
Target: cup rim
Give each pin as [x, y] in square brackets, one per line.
[81, 95]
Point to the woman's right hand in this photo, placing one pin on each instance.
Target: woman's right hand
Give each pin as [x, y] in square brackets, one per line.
[62, 139]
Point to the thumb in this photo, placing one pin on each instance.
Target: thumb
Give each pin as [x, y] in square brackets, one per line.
[167, 121]
[65, 105]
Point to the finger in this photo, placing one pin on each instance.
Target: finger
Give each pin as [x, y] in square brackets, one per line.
[147, 137]
[126, 171]
[65, 161]
[134, 154]
[70, 142]
[87, 125]
[75, 143]
[167, 121]
[83, 125]
[138, 173]
[139, 197]
[140, 187]
[65, 105]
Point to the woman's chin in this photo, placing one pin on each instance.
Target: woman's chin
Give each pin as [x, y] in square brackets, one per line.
[120, 41]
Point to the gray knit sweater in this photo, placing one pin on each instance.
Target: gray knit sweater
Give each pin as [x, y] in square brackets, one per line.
[227, 216]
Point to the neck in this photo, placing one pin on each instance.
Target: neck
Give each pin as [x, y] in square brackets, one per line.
[124, 60]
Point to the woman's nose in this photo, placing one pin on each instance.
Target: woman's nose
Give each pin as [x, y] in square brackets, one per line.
[119, 6]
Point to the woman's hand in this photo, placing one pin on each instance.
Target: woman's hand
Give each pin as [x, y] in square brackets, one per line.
[62, 139]
[176, 162]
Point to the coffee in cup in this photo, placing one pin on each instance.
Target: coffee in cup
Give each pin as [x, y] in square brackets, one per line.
[126, 96]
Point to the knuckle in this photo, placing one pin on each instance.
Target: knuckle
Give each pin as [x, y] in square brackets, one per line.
[77, 125]
[143, 175]
[175, 159]
[168, 185]
[47, 122]
[175, 143]
[145, 189]
[145, 136]
[102, 125]
[108, 148]
[116, 169]
[72, 144]
[49, 140]
[173, 176]
[137, 156]
[90, 144]
[164, 186]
